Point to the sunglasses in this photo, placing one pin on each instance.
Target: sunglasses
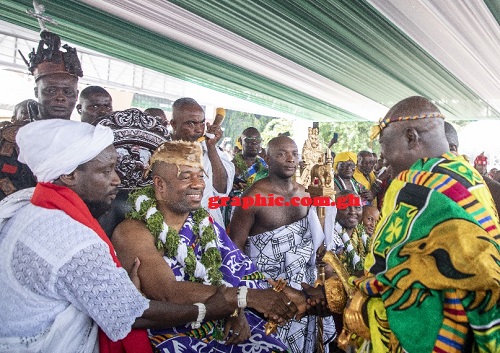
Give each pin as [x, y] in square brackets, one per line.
[347, 165]
[252, 139]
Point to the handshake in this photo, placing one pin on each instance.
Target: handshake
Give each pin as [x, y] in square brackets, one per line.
[282, 302]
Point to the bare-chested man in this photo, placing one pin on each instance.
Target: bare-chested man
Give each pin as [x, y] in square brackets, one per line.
[282, 241]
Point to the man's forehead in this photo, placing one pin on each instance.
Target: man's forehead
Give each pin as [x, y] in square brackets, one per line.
[97, 96]
[251, 133]
[190, 111]
[57, 79]
[286, 148]
[187, 168]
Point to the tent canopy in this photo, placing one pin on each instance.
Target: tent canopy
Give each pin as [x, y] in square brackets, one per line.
[331, 60]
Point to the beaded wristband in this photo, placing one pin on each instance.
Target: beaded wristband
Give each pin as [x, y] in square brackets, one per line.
[242, 297]
[202, 311]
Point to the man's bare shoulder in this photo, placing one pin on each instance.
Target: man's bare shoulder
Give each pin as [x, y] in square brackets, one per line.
[259, 187]
[130, 229]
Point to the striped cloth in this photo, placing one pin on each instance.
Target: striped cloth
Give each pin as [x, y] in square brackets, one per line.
[435, 259]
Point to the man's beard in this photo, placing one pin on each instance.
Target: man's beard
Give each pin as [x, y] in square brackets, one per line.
[97, 208]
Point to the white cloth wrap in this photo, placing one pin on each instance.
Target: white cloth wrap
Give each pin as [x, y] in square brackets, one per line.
[72, 331]
[182, 253]
[163, 233]
[139, 201]
[55, 147]
[151, 212]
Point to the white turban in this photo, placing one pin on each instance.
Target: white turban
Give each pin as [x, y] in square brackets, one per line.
[55, 147]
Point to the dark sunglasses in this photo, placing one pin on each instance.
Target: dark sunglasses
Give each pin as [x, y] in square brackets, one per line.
[252, 139]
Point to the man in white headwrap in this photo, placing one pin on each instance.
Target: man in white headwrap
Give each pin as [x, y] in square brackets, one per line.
[59, 275]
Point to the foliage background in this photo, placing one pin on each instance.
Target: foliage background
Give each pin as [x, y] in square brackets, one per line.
[353, 136]
[269, 127]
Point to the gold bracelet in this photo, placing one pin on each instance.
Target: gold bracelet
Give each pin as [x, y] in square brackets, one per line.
[336, 297]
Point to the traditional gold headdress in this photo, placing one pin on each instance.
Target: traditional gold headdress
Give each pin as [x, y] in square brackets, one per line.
[383, 122]
[178, 153]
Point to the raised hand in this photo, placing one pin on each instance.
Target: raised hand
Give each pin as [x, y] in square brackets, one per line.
[214, 130]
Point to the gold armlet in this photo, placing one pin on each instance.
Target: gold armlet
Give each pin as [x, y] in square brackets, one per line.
[336, 297]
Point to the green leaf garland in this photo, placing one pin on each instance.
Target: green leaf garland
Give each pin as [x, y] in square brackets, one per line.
[210, 256]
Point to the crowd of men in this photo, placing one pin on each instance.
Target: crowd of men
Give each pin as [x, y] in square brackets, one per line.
[418, 255]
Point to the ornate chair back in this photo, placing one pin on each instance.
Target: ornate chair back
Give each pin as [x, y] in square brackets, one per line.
[137, 136]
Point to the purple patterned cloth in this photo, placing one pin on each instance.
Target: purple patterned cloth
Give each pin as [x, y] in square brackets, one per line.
[237, 270]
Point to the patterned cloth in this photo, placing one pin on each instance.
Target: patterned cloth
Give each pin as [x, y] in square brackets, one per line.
[436, 259]
[257, 171]
[237, 270]
[288, 252]
[14, 175]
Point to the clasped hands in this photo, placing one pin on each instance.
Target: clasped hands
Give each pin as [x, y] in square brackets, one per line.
[287, 303]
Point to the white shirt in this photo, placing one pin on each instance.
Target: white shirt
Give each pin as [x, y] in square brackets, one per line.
[209, 186]
[51, 263]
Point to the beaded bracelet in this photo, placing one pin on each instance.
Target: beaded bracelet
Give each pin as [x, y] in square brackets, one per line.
[202, 311]
[242, 297]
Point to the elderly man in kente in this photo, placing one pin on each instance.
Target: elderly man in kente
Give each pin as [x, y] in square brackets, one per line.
[59, 274]
[282, 241]
[434, 264]
[185, 255]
